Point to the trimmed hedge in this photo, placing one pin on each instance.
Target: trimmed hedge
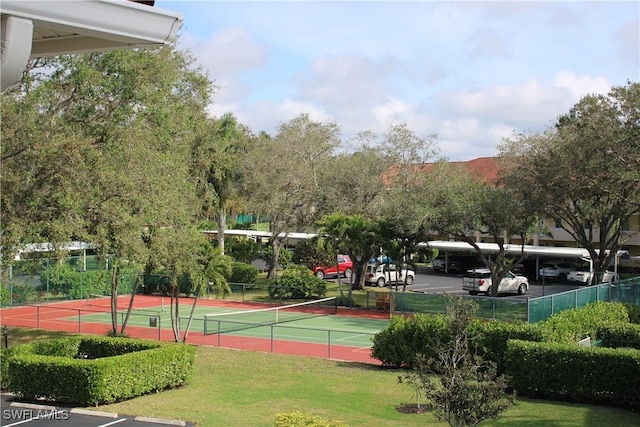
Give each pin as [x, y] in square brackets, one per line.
[570, 326]
[491, 338]
[620, 335]
[405, 338]
[114, 369]
[571, 372]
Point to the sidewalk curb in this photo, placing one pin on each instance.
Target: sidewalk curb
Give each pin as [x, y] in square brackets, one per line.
[160, 421]
[81, 411]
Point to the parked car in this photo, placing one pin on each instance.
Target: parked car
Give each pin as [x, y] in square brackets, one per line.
[557, 270]
[456, 263]
[583, 275]
[439, 264]
[345, 268]
[382, 274]
[479, 281]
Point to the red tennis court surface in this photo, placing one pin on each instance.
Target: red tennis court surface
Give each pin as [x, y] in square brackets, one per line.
[58, 317]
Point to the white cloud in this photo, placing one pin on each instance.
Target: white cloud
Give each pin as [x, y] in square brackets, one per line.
[471, 72]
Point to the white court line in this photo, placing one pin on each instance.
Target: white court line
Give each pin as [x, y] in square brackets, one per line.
[112, 422]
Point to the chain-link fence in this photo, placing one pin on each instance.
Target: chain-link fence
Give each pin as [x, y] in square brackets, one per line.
[627, 291]
[41, 281]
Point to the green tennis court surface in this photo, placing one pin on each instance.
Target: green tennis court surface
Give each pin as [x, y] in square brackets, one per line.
[302, 327]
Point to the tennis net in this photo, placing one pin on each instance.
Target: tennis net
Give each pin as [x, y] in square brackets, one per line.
[218, 323]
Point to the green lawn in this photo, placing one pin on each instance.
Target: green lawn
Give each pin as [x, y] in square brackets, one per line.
[240, 388]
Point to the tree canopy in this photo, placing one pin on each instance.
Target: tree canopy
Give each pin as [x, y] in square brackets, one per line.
[584, 171]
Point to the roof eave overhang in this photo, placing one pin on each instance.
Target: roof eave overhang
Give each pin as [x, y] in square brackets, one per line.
[88, 26]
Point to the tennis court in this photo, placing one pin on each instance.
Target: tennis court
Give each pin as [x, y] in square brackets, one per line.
[316, 328]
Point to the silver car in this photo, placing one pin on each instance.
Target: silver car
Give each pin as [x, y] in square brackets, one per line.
[381, 274]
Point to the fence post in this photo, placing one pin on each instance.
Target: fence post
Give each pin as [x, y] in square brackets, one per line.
[271, 338]
[159, 327]
[79, 320]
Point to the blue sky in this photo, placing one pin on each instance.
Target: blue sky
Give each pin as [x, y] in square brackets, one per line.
[471, 72]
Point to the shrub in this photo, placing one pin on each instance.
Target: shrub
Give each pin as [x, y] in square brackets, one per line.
[5, 296]
[297, 282]
[634, 312]
[244, 273]
[571, 326]
[404, 338]
[115, 369]
[21, 293]
[620, 335]
[75, 284]
[298, 419]
[241, 249]
[568, 371]
[491, 338]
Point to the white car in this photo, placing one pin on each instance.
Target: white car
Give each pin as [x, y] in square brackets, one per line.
[479, 281]
[584, 276]
[557, 270]
[381, 274]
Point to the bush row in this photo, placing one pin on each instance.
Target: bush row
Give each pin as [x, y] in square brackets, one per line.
[404, 338]
[97, 370]
[571, 372]
[555, 342]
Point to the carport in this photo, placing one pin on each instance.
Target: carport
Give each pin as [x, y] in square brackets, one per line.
[528, 250]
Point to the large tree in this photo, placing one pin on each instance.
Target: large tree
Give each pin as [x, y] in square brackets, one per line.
[461, 205]
[283, 177]
[217, 167]
[354, 235]
[399, 210]
[584, 171]
[109, 160]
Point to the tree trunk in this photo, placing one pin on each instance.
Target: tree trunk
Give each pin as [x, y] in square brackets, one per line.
[115, 276]
[193, 309]
[275, 253]
[133, 294]
[175, 312]
[222, 223]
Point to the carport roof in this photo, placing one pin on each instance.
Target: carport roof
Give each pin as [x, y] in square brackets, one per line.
[530, 250]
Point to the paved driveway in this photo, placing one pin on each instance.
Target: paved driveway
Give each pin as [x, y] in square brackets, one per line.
[15, 413]
[429, 282]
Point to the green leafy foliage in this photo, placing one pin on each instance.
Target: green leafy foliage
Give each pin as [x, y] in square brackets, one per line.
[299, 419]
[297, 282]
[244, 273]
[405, 338]
[568, 371]
[65, 279]
[573, 325]
[241, 249]
[113, 369]
[493, 336]
[462, 387]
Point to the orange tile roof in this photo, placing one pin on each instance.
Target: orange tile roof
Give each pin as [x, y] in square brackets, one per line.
[485, 168]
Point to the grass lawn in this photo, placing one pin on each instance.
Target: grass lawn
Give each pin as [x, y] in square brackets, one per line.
[241, 388]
